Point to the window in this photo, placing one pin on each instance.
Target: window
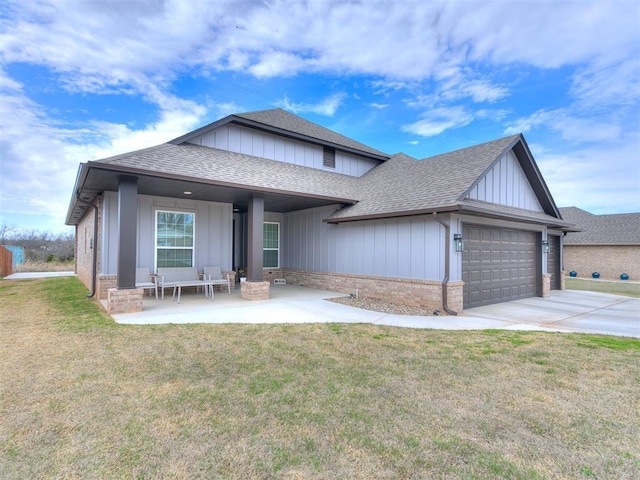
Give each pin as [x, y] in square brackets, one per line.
[329, 157]
[271, 245]
[174, 239]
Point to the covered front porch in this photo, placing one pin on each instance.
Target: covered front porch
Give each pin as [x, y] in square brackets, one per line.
[226, 224]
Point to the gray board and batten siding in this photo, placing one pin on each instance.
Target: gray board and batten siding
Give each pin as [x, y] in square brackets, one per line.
[213, 231]
[506, 184]
[240, 139]
[407, 247]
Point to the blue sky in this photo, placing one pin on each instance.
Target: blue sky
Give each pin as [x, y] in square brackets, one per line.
[82, 80]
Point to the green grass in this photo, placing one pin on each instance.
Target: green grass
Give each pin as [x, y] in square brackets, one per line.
[83, 397]
[630, 289]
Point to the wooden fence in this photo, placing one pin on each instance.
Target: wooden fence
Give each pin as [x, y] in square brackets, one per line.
[6, 267]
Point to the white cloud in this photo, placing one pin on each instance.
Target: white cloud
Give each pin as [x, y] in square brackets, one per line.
[326, 107]
[39, 159]
[437, 120]
[441, 53]
[610, 85]
[570, 127]
[599, 180]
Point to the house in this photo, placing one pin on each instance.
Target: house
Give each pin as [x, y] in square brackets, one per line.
[607, 244]
[277, 196]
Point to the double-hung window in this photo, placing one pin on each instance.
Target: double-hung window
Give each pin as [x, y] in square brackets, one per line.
[174, 239]
[271, 245]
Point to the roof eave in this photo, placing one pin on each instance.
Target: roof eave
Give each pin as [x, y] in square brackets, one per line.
[565, 227]
[403, 213]
[85, 168]
[80, 178]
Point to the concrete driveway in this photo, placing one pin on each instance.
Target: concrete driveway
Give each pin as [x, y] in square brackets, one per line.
[564, 311]
[567, 311]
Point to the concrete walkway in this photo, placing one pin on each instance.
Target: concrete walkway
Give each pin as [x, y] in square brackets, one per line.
[24, 275]
[564, 311]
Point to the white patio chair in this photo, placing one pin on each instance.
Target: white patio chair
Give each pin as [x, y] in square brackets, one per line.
[143, 280]
[213, 276]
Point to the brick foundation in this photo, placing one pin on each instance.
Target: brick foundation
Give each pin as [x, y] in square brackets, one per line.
[124, 301]
[103, 284]
[546, 285]
[254, 290]
[404, 291]
[271, 274]
[454, 296]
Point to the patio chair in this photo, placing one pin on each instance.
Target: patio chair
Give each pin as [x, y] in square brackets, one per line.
[213, 276]
[144, 280]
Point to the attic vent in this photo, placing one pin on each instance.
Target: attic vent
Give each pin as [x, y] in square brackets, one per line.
[329, 157]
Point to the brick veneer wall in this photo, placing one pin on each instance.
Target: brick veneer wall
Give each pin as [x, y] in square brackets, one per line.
[271, 274]
[124, 301]
[546, 285]
[419, 293]
[608, 260]
[103, 284]
[83, 247]
[254, 290]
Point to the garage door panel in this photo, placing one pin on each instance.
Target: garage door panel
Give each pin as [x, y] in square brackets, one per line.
[498, 265]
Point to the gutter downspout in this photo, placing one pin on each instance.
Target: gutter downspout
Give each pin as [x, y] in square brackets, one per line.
[447, 254]
[94, 261]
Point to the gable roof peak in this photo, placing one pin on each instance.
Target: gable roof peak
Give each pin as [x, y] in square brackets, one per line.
[498, 145]
[280, 122]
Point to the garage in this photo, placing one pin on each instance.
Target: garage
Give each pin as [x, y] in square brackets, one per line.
[498, 265]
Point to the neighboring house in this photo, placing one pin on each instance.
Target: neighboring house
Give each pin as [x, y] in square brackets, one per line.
[607, 244]
[277, 196]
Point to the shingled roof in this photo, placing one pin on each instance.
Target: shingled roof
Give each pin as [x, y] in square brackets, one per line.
[407, 186]
[615, 229]
[278, 121]
[212, 165]
[398, 186]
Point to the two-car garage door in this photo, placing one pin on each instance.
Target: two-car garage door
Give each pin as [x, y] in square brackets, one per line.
[498, 265]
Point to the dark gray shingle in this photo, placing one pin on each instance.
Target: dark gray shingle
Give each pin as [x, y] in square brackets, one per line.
[404, 184]
[211, 164]
[615, 229]
[289, 122]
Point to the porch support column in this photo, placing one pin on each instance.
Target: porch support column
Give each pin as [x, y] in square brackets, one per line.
[127, 231]
[255, 241]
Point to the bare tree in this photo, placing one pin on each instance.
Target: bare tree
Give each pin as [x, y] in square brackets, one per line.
[40, 246]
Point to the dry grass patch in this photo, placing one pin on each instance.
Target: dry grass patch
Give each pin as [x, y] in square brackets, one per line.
[83, 397]
[622, 287]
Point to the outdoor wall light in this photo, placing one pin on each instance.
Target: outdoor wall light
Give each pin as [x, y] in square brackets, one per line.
[457, 238]
[545, 246]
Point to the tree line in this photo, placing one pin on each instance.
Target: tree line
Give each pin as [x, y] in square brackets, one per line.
[40, 246]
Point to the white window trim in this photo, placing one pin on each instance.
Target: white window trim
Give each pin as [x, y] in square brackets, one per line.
[155, 235]
[272, 249]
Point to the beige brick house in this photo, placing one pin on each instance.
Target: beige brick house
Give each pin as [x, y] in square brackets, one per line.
[607, 244]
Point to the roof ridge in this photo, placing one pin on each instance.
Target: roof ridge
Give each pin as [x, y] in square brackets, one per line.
[284, 120]
[477, 146]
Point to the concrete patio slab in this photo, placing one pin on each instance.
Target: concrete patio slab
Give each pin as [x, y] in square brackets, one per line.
[26, 275]
[564, 311]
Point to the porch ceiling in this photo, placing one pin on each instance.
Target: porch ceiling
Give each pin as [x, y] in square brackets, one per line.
[98, 180]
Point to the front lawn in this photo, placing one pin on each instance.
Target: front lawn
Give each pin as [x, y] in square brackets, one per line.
[83, 397]
[630, 289]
